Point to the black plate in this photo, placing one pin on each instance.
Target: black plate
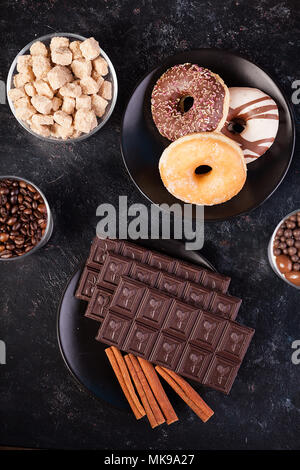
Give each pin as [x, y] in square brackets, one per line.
[83, 355]
[142, 145]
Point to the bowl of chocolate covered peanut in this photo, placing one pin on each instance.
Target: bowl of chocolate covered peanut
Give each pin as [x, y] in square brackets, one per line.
[26, 222]
[62, 87]
[284, 249]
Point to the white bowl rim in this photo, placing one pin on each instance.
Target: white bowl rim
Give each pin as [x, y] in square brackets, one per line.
[53, 139]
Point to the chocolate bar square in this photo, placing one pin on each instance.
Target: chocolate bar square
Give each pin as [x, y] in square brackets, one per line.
[87, 284]
[153, 309]
[208, 330]
[194, 362]
[140, 340]
[197, 295]
[99, 249]
[134, 252]
[167, 351]
[113, 268]
[235, 341]
[98, 304]
[143, 273]
[225, 305]
[113, 330]
[188, 272]
[180, 319]
[215, 281]
[127, 297]
[170, 284]
[161, 262]
[221, 374]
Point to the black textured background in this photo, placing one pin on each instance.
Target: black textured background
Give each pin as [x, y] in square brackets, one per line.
[40, 405]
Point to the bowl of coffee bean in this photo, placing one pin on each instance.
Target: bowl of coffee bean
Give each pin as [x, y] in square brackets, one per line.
[284, 249]
[26, 222]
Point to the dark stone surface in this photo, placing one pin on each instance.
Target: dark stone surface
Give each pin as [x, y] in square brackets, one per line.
[40, 405]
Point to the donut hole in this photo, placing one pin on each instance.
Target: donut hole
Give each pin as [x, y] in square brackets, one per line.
[185, 104]
[203, 170]
[236, 126]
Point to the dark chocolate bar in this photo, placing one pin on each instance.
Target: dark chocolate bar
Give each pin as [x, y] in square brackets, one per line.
[180, 269]
[194, 294]
[167, 331]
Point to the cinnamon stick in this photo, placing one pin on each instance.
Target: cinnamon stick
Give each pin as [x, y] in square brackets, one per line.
[158, 391]
[150, 397]
[112, 359]
[140, 390]
[190, 392]
[127, 379]
[199, 409]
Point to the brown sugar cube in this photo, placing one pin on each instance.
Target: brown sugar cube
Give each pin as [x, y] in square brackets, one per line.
[83, 102]
[90, 48]
[106, 90]
[75, 48]
[73, 90]
[23, 77]
[76, 134]
[59, 76]
[85, 120]
[40, 66]
[61, 56]
[100, 66]
[61, 132]
[99, 105]
[30, 89]
[81, 68]
[42, 120]
[24, 101]
[68, 105]
[56, 103]
[43, 88]
[98, 78]
[44, 131]
[63, 119]
[16, 93]
[25, 112]
[42, 104]
[23, 61]
[59, 41]
[38, 48]
[89, 86]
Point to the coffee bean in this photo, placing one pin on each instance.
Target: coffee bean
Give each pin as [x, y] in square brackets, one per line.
[12, 221]
[290, 242]
[4, 237]
[290, 225]
[285, 251]
[42, 208]
[280, 233]
[282, 246]
[295, 258]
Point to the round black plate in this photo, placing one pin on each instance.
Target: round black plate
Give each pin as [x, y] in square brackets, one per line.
[83, 355]
[142, 145]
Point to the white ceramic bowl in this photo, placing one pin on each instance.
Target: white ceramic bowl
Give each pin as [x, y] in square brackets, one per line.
[111, 76]
[272, 257]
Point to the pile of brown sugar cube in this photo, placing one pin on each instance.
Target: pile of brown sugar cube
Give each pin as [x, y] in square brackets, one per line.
[60, 90]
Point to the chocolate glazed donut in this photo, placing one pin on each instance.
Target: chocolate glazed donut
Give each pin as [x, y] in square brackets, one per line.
[188, 98]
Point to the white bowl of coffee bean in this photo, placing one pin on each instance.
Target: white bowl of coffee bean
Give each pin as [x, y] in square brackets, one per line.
[26, 222]
[284, 249]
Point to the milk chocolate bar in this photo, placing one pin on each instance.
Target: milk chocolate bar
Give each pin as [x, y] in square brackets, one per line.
[193, 294]
[165, 330]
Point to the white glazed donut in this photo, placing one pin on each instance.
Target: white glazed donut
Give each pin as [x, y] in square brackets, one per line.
[252, 121]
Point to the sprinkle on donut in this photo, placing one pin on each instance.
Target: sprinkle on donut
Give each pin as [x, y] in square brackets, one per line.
[208, 96]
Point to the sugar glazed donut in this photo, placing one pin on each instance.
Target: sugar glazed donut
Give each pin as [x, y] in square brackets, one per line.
[206, 168]
[252, 121]
[206, 93]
